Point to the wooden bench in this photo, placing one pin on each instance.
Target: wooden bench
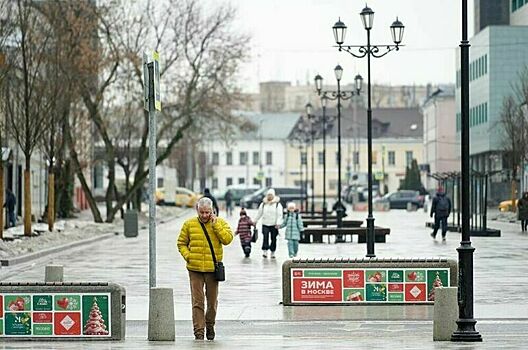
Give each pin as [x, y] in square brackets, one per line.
[332, 222]
[316, 233]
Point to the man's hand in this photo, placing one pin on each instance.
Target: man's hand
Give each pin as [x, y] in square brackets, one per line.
[277, 227]
[213, 219]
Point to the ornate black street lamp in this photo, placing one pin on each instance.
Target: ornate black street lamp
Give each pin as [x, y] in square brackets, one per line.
[311, 120]
[335, 95]
[466, 323]
[369, 50]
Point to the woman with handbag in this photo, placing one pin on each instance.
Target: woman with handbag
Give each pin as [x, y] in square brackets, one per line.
[244, 232]
[200, 244]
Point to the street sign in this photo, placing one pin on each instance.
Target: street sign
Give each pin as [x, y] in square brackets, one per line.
[145, 82]
[157, 92]
[379, 175]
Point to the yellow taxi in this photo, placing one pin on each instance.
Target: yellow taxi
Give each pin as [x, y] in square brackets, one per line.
[159, 196]
[507, 205]
[185, 197]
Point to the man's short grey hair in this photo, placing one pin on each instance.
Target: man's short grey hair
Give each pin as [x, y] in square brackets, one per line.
[204, 202]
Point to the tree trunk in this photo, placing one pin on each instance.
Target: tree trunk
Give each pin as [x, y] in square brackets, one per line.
[110, 191]
[51, 200]
[513, 193]
[1, 200]
[27, 201]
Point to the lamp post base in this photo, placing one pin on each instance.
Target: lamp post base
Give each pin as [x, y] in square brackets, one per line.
[340, 211]
[466, 331]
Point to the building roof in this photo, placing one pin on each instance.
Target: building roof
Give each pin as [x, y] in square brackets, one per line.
[275, 126]
[386, 122]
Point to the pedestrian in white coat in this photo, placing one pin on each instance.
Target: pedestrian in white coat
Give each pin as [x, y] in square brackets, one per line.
[270, 210]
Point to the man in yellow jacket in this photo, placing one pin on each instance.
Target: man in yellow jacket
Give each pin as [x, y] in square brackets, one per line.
[194, 248]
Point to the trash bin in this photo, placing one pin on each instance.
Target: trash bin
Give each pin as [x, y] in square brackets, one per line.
[411, 207]
[131, 223]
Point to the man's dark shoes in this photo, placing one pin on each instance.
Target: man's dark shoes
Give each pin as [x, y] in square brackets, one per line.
[433, 235]
[198, 337]
[210, 333]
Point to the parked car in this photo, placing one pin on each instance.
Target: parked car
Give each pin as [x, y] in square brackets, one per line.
[159, 195]
[507, 205]
[184, 197]
[399, 199]
[286, 194]
[361, 191]
[238, 192]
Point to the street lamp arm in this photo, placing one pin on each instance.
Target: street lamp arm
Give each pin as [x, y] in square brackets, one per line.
[333, 95]
[364, 50]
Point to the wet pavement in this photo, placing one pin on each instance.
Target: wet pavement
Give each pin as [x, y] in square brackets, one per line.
[249, 310]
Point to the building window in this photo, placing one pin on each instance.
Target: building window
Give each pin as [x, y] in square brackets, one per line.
[256, 181]
[303, 158]
[320, 158]
[229, 181]
[160, 182]
[268, 181]
[215, 158]
[215, 183]
[269, 158]
[256, 160]
[241, 180]
[408, 158]
[356, 158]
[243, 158]
[392, 157]
[229, 158]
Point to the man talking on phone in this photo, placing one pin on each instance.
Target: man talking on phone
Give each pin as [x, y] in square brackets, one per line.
[194, 247]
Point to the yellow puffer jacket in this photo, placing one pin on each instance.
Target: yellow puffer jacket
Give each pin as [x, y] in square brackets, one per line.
[193, 245]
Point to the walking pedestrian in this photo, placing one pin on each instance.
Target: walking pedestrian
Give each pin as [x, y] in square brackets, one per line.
[207, 194]
[10, 204]
[522, 211]
[294, 226]
[197, 236]
[270, 210]
[229, 202]
[244, 232]
[441, 208]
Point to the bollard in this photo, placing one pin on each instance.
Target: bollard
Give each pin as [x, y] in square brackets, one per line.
[445, 313]
[54, 273]
[161, 326]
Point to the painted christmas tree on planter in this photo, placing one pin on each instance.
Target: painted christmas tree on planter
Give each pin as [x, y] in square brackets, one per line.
[96, 323]
[436, 284]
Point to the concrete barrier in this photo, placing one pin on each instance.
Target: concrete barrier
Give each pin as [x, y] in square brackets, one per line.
[62, 311]
[445, 313]
[161, 325]
[54, 273]
[365, 281]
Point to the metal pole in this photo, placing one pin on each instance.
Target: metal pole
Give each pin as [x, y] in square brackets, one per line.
[261, 173]
[301, 174]
[339, 209]
[306, 177]
[313, 177]
[466, 323]
[152, 179]
[370, 218]
[324, 164]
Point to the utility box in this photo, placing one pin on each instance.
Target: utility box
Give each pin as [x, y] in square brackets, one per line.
[131, 223]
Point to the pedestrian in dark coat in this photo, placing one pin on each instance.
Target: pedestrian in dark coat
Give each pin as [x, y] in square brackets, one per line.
[441, 208]
[244, 232]
[208, 194]
[522, 211]
[10, 204]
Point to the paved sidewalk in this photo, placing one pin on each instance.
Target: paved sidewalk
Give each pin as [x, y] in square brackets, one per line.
[250, 313]
[326, 335]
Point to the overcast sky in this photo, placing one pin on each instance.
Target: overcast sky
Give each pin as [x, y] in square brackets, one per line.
[292, 39]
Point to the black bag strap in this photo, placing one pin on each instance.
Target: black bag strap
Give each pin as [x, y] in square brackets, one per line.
[208, 241]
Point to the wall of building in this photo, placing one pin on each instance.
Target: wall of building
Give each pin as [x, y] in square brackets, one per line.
[519, 14]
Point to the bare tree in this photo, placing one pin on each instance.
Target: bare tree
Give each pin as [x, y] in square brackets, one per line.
[514, 141]
[6, 29]
[27, 102]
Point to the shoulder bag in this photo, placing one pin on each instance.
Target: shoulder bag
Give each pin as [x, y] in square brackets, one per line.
[219, 266]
